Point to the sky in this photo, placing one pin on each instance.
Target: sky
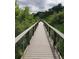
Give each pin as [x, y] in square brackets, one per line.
[38, 5]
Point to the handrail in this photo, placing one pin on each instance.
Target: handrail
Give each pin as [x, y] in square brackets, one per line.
[58, 39]
[57, 31]
[23, 33]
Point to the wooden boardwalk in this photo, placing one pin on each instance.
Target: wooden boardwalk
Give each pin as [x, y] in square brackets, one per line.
[39, 47]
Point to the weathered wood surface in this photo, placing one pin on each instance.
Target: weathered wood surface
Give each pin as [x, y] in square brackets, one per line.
[39, 47]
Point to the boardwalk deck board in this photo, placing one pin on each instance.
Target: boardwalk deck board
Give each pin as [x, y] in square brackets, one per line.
[39, 47]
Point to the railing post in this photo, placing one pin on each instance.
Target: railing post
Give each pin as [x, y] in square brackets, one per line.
[27, 38]
[49, 30]
[54, 37]
[23, 45]
[33, 30]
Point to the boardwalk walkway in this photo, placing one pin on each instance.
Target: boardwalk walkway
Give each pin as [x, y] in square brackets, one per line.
[39, 47]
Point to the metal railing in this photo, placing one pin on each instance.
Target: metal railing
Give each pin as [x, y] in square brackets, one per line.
[58, 40]
[23, 40]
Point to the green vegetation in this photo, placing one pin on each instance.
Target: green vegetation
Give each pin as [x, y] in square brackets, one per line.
[23, 19]
[60, 47]
[57, 20]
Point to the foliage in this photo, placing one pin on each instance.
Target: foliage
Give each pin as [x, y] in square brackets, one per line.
[57, 20]
[51, 11]
[60, 47]
[23, 20]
